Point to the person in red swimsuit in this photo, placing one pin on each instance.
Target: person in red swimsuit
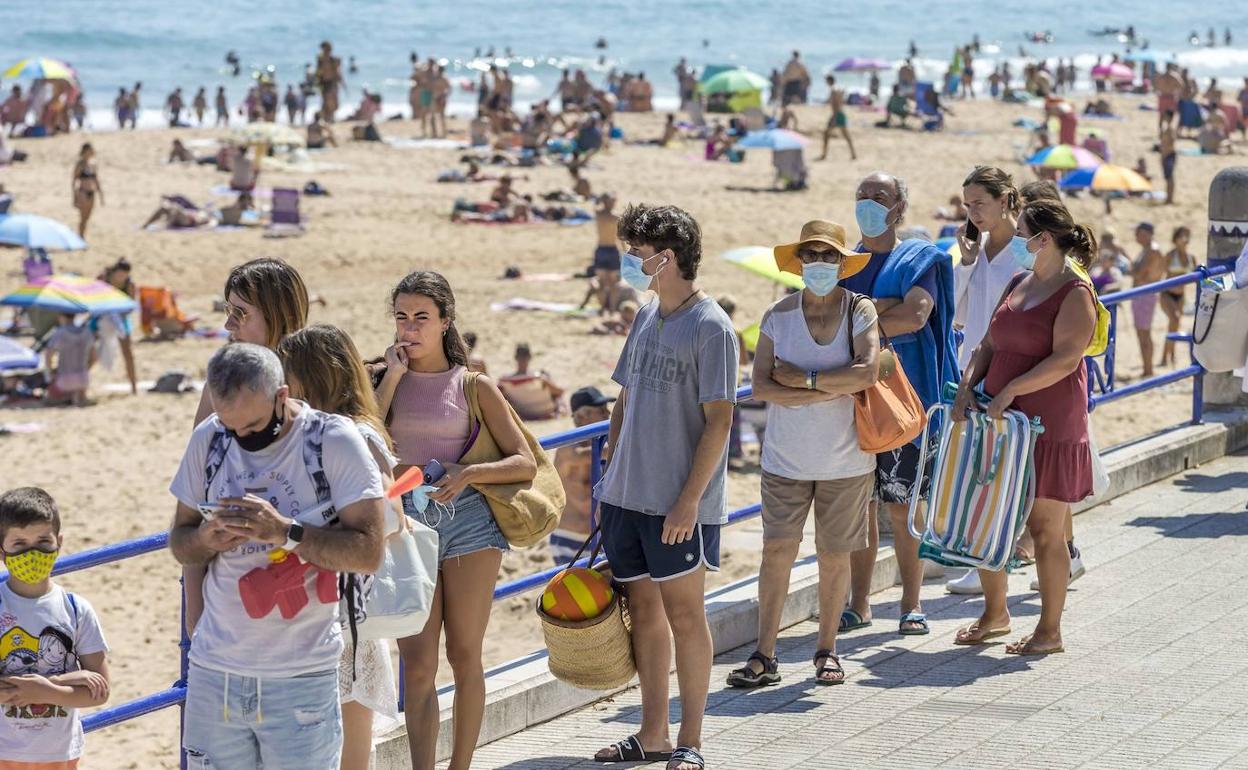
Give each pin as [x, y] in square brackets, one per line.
[1032, 361]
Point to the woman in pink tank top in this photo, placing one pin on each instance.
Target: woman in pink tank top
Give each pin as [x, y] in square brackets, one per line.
[1032, 361]
[422, 394]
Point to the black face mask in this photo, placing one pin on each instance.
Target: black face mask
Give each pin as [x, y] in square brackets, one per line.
[261, 439]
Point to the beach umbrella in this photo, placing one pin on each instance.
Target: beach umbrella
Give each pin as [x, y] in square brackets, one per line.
[861, 64]
[65, 293]
[1149, 55]
[1106, 178]
[36, 232]
[774, 139]
[734, 82]
[41, 67]
[1064, 156]
[267, 133]
[14, 355]
[1113, 71]
[760, 260]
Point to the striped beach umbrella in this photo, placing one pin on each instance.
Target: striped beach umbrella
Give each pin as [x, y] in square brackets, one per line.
[65, 293]
[1065, 156]
[41, 67]
[1106, 178]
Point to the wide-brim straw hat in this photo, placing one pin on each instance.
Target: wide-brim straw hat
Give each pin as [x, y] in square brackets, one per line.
[820, 231]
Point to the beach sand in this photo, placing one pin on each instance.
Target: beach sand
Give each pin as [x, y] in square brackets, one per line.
[109, 465]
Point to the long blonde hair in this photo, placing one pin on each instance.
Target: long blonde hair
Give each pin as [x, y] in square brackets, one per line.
[327, 365]
[277, 290]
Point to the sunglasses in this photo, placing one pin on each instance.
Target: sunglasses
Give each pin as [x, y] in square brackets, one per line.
[809, 255]
[235, 313]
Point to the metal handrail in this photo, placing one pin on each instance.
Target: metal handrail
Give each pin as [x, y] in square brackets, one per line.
[596, 434]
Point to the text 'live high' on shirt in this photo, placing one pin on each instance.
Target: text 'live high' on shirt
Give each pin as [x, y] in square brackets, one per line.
[669, 368]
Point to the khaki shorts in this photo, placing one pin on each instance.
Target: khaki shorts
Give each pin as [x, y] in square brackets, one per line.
[840, 510]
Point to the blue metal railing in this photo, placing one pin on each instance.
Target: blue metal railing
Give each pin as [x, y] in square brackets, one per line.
[1101, 378]
[1102, 383]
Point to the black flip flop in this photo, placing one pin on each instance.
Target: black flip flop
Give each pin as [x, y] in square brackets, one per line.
[747, 678]
[631, 750]
[687, 755]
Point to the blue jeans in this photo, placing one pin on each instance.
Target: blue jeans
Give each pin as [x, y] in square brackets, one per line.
[466, 526]
[242, 723]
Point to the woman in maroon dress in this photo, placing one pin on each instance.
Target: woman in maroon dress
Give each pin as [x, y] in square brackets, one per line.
[1032, 361]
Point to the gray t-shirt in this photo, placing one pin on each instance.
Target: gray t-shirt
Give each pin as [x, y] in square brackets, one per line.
[670, 368]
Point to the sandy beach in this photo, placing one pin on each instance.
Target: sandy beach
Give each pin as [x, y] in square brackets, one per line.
[109, 465]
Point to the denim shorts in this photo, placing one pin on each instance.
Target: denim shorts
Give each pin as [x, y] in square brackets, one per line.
[241, 722]
[465, 526]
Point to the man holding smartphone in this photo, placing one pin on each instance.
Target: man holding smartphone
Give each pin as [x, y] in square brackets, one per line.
[259, 481]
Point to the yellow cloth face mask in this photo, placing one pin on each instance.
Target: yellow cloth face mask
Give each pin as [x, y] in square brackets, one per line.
[32, 565]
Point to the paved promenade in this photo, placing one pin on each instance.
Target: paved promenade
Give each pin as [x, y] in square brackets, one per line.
[1155, 674]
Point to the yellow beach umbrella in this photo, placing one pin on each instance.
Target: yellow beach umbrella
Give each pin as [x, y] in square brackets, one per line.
[761, 261]
[41, 67]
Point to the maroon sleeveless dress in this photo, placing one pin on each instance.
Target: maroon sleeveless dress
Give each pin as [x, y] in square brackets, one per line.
[1021, 339]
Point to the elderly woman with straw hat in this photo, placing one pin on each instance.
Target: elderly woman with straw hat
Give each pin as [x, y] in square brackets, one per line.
[816, 347]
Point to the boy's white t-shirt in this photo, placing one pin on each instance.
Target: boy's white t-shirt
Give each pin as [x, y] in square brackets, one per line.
[46, 636]
[226, 637]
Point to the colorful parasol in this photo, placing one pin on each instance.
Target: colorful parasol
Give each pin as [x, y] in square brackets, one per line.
[41, 67]
[1113, 71]
[1064, 156]
[1106, 178]
[734, 82]
[66, 293]
[862, 64]
[761, 260]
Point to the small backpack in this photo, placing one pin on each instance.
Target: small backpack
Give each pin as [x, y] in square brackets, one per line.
[352, 587]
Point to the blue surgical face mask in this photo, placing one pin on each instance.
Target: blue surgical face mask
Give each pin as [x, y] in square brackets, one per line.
[420, 501]
[631, 272]
[872, 217]
[821, 277]
[1018, 250]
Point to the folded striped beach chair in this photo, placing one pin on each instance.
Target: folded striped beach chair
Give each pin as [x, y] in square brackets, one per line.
[982, 489]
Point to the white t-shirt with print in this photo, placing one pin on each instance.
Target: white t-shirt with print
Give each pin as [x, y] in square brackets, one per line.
[226, 637]
[46, 636]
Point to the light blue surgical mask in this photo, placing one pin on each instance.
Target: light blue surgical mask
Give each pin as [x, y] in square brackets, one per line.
[821, 277]
[631, 272]
[1018, 250]
[420, 501]
[872, 217]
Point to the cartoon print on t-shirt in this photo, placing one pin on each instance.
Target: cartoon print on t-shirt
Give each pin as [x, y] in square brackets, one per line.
[48, 654]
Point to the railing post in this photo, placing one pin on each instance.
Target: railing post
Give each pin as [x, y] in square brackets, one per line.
[184, 670]
[596, 446]
[1198, 382]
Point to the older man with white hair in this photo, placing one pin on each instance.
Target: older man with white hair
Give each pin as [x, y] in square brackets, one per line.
[911, 282]
[276, 498]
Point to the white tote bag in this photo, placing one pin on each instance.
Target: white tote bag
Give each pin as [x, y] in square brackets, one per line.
[1100, 476]
[402, 592]
[1220, 331]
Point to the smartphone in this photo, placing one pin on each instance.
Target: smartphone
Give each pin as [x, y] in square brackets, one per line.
[434, 472]
[972, 232]
[210, 511]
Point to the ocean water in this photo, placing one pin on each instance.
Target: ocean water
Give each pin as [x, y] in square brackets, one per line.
[163, 44]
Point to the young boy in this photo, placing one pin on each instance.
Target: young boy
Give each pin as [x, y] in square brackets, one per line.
[575, 467]
[663, 495]
[52, 651]
[71, 353]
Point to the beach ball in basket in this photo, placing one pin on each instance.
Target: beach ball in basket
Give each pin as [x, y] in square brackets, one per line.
[578, 593]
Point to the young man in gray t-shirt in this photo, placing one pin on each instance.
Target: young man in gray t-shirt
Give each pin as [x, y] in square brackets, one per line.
[663, 493]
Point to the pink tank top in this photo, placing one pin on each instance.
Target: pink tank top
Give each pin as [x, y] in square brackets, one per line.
[430, 417]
